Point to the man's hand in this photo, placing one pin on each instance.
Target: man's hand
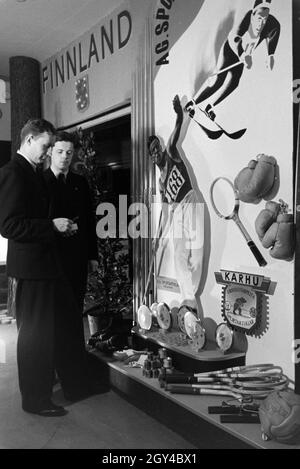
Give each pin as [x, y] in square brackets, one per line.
[93, 265]
[177, 105]
[64, 226]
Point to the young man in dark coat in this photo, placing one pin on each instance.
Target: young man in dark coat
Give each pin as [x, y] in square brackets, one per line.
[70, 197]
[32, 259]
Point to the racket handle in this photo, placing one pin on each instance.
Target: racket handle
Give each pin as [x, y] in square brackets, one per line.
[185, 379]
[188, 389]
[251, 418]
[257, 254]
[183, 390]
[180, 379]
[231, 409]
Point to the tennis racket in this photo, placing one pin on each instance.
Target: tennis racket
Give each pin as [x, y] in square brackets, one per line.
[256, 389]
[234, 215]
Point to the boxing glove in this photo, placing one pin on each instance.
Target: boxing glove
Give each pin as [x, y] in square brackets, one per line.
[266, 218]
[275, 229]
[260, 179]
[271, 194]
[280, 237]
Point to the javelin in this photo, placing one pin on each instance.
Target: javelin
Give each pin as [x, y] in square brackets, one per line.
[152, 258]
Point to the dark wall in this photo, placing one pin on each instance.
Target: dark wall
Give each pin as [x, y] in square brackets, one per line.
[24, 75]
[5, 149]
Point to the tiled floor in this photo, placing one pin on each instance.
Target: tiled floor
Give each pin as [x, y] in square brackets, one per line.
[100, 422]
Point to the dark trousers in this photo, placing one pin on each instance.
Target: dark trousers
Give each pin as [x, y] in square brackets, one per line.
[50, 338]
[74, 265]
[77, 278]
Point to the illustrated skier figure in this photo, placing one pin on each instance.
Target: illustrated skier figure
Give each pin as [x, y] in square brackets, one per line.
[257, 26]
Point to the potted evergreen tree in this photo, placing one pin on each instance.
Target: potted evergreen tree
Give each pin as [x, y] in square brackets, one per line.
[108, 300]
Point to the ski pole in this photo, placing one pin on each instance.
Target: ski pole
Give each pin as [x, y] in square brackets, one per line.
[225, 69]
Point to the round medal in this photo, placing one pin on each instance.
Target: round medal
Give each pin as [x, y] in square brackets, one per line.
[163, 316]
[190, 320]
[144, 317]
[180, 316]
[153, 309]
[224, 337]
[198, 337]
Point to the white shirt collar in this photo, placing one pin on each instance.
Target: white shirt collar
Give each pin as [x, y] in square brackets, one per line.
[56, 173]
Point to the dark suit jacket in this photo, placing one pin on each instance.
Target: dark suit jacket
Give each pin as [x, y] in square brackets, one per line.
[73, 200]
[24, 208]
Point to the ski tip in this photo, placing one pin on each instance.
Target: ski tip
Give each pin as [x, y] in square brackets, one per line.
[238, 134]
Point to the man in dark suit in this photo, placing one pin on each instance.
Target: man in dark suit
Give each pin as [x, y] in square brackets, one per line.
[70, 197]
[42, 294]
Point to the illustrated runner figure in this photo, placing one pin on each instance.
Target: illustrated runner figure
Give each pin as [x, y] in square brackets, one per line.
[183, 222]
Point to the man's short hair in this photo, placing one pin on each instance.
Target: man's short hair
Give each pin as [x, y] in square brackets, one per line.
[63, 136]
[151, 139]
[36, 127]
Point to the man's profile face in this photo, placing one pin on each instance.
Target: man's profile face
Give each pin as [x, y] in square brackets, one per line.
[156, 152]
[61, 156]
[39, 146]
[259, 19]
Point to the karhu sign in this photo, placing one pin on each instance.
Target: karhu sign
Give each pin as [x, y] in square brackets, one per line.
[244, 304]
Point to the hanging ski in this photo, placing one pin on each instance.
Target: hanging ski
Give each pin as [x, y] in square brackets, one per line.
[234, 135]
[215, 134]
[212, 134]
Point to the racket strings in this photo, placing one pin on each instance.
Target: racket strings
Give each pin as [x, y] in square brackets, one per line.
[245, 382]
